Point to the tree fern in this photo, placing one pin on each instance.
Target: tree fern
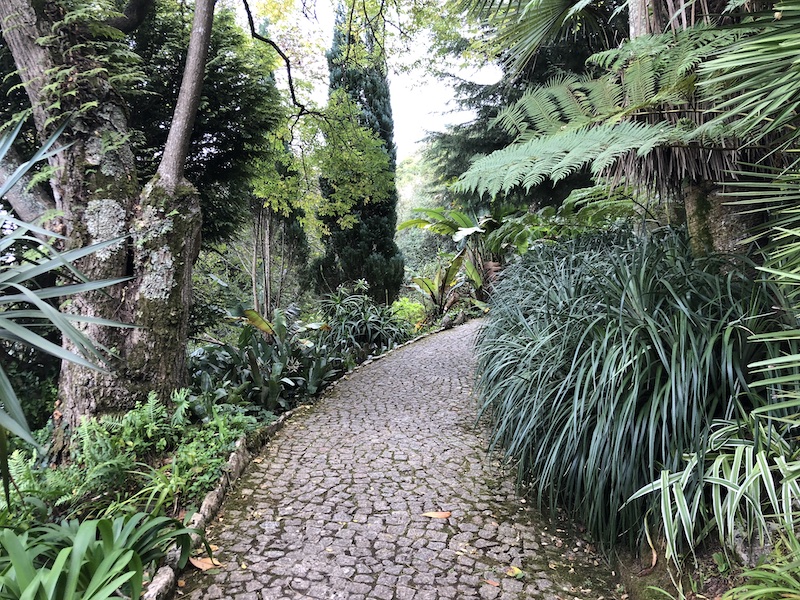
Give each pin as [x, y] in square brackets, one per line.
[573, 123]
[755, 80]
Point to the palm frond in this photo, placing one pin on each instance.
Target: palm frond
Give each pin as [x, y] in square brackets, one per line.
[753, 82]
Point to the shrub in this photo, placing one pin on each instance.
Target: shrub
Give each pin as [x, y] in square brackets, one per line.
[605, 359]
[273, 367]
[409, 310]
[147, 459]
[357, 327]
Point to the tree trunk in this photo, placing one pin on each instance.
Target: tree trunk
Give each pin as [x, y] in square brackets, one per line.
[96, 188]
[638, 18]
[714, 225]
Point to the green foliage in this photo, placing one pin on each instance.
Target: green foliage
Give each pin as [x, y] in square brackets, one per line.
[409, 310]
[149, 459]
[440, 289]
[71, 85]
[524, 28]
[774, 580]
[275, 368]
[239, 111]
[469, 234]
[753, 81]
[357, 327]
[608, 346]
[594, 122]
[91, 560]
[34, 376]
[742, 483]
[26, 309]
[363, 248]
[583, 211]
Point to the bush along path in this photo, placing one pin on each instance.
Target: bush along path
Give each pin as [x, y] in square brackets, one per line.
[384, 490]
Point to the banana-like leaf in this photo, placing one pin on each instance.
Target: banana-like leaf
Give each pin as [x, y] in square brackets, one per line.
[259, 322]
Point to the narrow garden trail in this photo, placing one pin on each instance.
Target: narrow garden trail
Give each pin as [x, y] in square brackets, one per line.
[335, 505]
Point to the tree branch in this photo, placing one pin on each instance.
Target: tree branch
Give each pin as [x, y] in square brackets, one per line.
[171, 169]
[29, 203]
[303, 108]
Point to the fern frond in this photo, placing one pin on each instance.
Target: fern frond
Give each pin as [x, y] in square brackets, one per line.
[556, 156]
[539, 109]
[639, 81]
[605, 96]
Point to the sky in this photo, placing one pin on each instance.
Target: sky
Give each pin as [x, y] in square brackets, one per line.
[421, 105]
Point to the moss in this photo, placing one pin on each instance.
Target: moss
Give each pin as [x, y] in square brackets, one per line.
[699, 214]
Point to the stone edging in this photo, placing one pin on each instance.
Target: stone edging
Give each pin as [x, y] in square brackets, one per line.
[165, 579]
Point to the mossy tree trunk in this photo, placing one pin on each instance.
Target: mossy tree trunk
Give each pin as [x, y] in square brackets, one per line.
[714, 224]
[96, 188]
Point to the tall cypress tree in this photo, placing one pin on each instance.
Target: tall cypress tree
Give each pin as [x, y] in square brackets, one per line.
[366, 250]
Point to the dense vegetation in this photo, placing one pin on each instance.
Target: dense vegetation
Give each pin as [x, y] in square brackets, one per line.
[630, 227]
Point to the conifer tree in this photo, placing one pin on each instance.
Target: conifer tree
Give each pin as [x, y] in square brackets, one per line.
[365, 250]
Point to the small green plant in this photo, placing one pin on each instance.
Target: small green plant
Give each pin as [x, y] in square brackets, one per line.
[264, 368]
[722, 562]
[89, 560]
[440, 290]
[776, 579]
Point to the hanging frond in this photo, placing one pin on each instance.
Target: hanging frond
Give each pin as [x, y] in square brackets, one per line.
[645, 102]
[558, 155]
[754, 82]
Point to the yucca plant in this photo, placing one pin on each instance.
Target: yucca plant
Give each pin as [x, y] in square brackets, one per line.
[605, 360]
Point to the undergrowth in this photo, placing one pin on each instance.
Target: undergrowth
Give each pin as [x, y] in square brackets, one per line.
[605, 360]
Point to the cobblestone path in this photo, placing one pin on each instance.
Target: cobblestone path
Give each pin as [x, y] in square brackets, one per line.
[334, 506]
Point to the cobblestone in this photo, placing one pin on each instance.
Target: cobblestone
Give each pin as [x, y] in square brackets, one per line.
[333, 508]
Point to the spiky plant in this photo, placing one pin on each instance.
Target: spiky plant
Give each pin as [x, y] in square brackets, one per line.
[605, 360]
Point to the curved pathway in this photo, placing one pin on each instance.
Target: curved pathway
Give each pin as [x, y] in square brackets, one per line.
[334, 507]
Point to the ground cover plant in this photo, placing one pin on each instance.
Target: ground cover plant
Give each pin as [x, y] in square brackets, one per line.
[612, 345]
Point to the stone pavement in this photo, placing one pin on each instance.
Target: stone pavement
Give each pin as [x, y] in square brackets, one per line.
[334, 506]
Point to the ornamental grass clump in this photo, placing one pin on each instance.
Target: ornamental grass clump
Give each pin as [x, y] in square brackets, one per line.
[606, 358]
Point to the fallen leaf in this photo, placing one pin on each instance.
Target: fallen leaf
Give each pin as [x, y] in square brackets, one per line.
[437, 514]
[515, 572]
[204, 563]
[491, 582]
